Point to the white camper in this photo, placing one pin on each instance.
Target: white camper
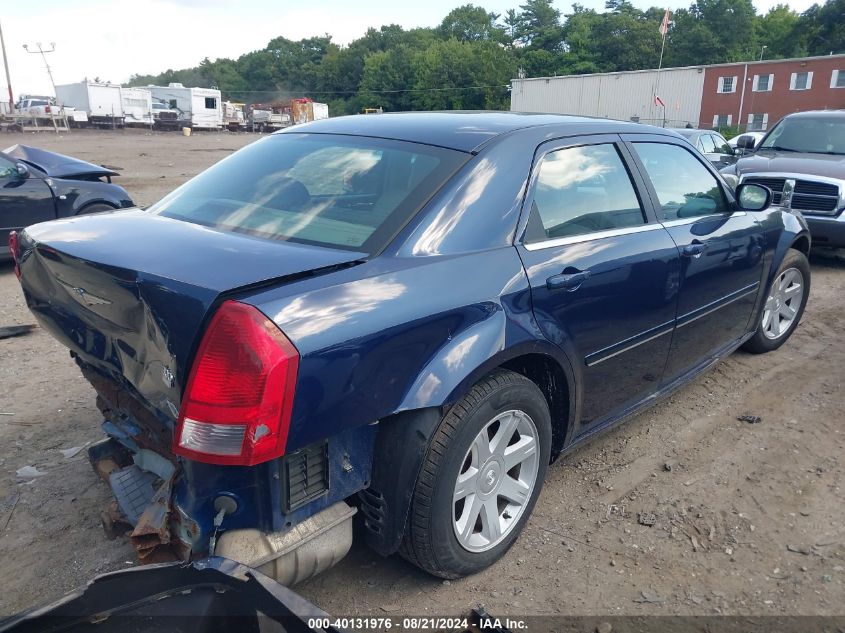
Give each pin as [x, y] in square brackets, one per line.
[137, 106]
[198, 107]
[102, 103]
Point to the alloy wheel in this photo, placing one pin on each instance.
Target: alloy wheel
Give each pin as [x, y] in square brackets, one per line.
[496, 481]
[783, 303]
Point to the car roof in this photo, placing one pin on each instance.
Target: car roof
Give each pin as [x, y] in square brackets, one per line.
[817, 114]
[463, 131]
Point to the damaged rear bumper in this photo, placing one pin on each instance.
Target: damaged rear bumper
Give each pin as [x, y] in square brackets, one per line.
[291, 508]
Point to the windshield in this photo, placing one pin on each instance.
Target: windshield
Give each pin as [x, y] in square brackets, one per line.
[344, 192]
[821, 135]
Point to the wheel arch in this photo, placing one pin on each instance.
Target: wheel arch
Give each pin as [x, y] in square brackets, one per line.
[385, 504]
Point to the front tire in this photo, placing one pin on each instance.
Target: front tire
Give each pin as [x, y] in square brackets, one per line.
[784, 304]
[481, 477]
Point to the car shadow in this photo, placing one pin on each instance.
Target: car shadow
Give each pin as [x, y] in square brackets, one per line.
[833, 258]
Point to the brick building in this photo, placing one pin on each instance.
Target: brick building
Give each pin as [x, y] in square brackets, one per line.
[755, 95]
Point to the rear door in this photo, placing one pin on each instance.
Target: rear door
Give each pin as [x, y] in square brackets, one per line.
[721, 250]
[603, 271]
[23, 201]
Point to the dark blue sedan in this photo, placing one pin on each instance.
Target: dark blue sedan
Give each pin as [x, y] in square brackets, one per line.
[406, 315]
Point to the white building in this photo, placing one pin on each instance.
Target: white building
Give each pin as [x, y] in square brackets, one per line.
[622, 95]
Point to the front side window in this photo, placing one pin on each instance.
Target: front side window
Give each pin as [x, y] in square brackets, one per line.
[685, 188]
[343, 192]
[582, 190]
[705, 144]
[721, 145]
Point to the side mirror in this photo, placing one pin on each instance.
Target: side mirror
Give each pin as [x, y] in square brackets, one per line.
[752, 197]
[745, 142]
[22, 170]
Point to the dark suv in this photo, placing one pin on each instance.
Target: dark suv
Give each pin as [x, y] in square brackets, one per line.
[802, 160]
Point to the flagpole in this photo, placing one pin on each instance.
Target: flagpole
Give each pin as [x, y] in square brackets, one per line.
[664, 29]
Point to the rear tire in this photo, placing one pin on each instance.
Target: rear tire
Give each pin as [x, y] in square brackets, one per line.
[481, 477]
[784, 306]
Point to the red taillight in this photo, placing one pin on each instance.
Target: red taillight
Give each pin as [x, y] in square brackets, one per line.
[47, 109]
[239, 398]
[15, 250]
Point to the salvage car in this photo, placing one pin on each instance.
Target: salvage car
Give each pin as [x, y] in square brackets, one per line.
[409, 316]
[37, 185]
[710, 143]
[802, 160]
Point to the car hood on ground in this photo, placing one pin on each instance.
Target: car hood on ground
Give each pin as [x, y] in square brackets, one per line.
[56, 165]
[829, 166]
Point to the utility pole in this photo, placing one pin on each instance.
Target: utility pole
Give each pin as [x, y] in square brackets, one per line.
[6, 64]
[43, 54]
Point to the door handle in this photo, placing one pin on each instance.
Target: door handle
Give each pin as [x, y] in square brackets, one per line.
[567, 281]
[695, 249]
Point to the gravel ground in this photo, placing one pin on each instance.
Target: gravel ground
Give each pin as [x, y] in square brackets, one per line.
[747, 518]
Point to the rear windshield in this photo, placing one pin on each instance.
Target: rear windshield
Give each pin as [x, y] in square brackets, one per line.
[344, 192]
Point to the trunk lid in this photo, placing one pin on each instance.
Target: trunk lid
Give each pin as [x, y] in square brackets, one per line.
[129, 292]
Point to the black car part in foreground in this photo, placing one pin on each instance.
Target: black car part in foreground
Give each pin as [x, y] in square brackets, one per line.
[209, 596]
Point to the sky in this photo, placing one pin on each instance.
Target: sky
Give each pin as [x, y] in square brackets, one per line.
[113, 39]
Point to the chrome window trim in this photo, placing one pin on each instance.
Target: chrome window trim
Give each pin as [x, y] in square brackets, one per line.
[588, 237]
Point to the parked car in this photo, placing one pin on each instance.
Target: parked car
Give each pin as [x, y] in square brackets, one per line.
[377, 311]
[710, 143]
[802, 160]
[35, 107]
[754, 136]
[37, 185]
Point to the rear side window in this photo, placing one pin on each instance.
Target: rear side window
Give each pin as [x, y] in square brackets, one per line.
[582, 190]
[685, 188]
[339, 191]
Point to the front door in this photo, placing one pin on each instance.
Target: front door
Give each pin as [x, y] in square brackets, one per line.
[721, 252]
[603, 272]
[23, 201]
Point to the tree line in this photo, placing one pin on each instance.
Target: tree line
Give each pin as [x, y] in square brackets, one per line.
[468, 60]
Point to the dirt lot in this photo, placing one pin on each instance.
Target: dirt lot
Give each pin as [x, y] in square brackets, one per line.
[748, 518]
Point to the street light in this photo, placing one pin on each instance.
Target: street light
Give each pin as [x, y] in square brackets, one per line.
[761, 51]
[43, 54]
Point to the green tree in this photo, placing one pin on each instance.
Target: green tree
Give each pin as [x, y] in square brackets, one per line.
[825, 27]
[470, 23]
[539, 26]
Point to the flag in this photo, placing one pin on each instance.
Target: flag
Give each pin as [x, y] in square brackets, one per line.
[664, 25]
[658, 101]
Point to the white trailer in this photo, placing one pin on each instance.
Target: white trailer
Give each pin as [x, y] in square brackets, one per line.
[137, 106]
[102, 103]
[198, 107]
